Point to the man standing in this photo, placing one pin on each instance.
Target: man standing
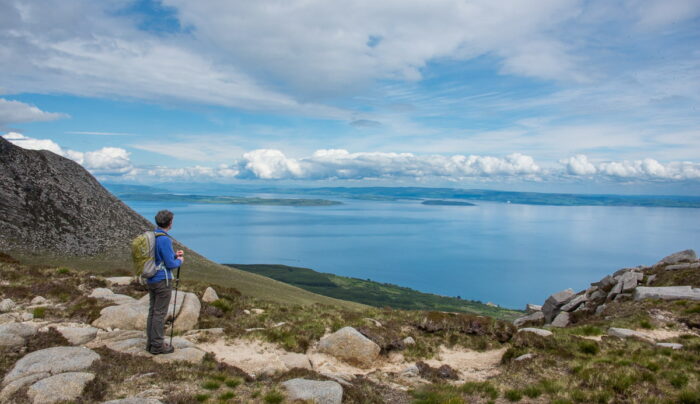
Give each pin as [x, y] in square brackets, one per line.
[160, 285]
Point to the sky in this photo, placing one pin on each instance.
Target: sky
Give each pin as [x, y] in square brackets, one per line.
[548, 95]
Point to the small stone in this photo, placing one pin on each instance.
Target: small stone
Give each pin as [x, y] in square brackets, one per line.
[39, 300]
[561, 320]
[246, 311]
[409, 341]
[349, 345]
[538, 331]
[626, 333]
[7, 305]
[320, 392]
[134, 400]
[119, 281]
[295, 360]
[411, 371]
[671, 345]
[257, 311]
[524, 357]
[210, 295]
[59, 388]
[26, 316]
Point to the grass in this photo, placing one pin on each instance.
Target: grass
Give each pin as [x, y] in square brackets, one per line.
[273, 397]
[374, 293]
[39, 312]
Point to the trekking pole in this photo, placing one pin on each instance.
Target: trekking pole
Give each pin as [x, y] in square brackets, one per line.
[172, 326]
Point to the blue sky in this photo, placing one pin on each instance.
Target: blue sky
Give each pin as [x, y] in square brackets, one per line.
[565, 95]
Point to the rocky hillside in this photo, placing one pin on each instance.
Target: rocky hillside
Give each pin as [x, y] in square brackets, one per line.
[50, 204]
[68, 337]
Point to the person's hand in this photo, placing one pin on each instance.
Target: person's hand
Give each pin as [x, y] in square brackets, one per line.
[179, 253]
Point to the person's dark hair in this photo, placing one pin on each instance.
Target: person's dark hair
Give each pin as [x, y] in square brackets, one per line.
[164, 218]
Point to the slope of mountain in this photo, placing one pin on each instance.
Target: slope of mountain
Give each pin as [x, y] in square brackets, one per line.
[53, 211]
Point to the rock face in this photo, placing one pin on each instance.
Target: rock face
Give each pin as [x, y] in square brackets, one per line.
[210, 295]
[667, 293]
[349, 345]
[675, 258]
[320, 392]
[625, 333]
[555, 302]
[36, 366]
[561, 320]
[59, 388]
[78, 335]
[64, 203]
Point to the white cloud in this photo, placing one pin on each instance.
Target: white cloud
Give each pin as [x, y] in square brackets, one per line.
[640, 170]
[105, 161]
[12, 112]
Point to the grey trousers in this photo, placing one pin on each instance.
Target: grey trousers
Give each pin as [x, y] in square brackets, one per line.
[159, 294]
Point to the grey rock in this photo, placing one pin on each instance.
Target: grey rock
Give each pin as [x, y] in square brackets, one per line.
[134, 400]
[411, 371]
[7, 305]
[39, 300]
[130, 316]
[671, 345]
[606, 283]
[615, 291]
[119, 281]
[676, 258]
[11, 340]
[107, 294]
[191, 355]
[626, 333]
[319, 392]
[667, 293]
[689, 265]
[536, 317]
[600, 309]
[78, 335]
[53, 361]
[524, 357]
[295, 360]
[628, 281]
[554, 302]
[598, 295]
[409, 341]
[349, 345]
[651, 279]
[59, 388]
[561, 320]
[15, 385]
[210, 295]
[574, 303]
[622, 297]
[532, 308]
[539, 331]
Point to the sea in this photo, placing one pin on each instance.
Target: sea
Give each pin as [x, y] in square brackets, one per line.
[503, 253]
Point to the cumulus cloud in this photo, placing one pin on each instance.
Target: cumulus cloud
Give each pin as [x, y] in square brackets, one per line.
[644, 169]
[105, 161]
[12, 112]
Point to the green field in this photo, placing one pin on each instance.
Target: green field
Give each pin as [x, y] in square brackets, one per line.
[373, 293]
[226, 200]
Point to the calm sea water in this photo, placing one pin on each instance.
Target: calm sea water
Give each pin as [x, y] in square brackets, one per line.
[503, 253]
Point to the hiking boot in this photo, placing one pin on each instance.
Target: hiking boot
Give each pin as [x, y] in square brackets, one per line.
[165, 350]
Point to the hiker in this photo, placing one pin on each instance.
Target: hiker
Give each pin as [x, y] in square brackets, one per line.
[160, 285]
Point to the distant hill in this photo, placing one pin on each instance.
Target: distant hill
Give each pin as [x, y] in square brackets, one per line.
[54, 212]
[374, 293]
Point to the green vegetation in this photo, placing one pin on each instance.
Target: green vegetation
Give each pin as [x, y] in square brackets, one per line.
[441, 202]
[225, 200]
[525, 198]
[373, 293]
[39, 312]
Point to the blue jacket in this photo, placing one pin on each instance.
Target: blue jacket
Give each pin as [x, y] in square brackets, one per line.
[164, 254]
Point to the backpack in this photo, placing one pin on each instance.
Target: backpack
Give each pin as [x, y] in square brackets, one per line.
[143, 254]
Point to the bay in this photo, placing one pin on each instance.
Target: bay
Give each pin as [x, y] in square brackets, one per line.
[508, 254]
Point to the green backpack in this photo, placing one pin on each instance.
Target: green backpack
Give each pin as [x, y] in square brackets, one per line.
[143, 254]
